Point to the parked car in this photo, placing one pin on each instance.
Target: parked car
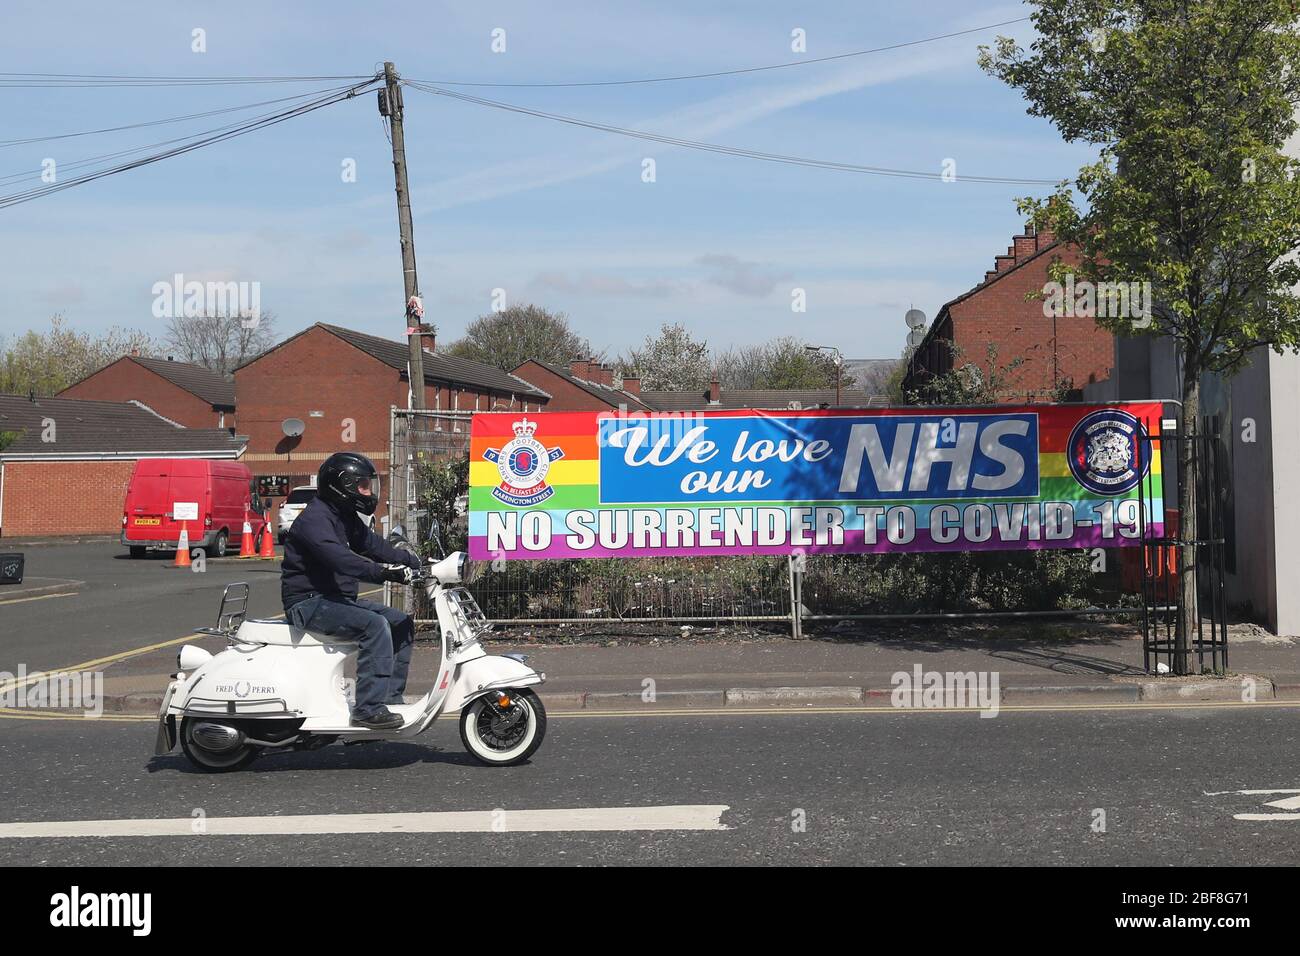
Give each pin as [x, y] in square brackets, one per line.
[210, 497]
[292, 507]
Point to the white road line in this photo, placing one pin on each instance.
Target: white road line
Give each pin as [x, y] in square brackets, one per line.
[688, 817]
[1266, 816]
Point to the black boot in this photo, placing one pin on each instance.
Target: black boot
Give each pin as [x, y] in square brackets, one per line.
[382, 719]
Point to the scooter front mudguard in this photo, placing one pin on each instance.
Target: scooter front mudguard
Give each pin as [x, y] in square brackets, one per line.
[166, 739]
[483, 674]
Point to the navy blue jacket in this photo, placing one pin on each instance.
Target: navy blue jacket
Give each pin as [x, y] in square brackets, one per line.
[328, 549]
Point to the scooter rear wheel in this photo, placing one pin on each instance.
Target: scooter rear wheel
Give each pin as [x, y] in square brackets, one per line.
[209, 760]
[500, 736]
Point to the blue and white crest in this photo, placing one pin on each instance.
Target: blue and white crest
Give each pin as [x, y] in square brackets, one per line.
[523, 463]
[1105, 452]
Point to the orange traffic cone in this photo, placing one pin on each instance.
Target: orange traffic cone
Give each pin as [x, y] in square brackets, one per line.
[246, 548]
[183, 548]
[268, 543]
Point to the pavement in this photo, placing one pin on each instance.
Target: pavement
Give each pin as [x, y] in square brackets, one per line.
[812, 673]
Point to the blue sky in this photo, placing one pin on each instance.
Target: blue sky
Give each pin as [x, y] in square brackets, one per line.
[552, 214]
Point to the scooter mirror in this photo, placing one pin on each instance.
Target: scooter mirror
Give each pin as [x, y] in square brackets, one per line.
[435, 537]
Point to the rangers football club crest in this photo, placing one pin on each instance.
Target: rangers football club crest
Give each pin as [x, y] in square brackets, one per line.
[523, 463]
[1105, 453]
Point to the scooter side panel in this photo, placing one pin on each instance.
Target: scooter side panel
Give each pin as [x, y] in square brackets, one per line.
[309, 681]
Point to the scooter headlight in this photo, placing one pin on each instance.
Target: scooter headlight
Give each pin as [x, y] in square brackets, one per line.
[452, 569]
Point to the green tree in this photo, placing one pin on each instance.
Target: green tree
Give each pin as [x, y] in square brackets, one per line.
[508, 338]
[1190, 103]
[783, 362]
[48, 362]
[670, 361]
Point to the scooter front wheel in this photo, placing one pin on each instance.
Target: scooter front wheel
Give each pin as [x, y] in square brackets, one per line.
[505, 727]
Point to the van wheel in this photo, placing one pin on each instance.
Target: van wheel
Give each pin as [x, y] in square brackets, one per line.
[218, 549]
[137, 551]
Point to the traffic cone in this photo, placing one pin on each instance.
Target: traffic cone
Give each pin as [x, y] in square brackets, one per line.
[246, 548]
[268, 543]
[183, 548]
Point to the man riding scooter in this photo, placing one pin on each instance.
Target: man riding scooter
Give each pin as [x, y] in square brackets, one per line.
[327, 550]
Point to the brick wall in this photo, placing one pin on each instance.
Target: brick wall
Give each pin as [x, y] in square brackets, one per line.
[319, 372]
[1001, 315]
[998, 314]
[565, 396]
[125, 381]
[63, 497]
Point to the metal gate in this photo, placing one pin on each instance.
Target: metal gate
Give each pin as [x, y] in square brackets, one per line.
[1204, 631]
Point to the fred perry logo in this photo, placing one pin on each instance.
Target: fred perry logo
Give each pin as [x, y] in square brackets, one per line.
[1105, 452]
[523, 463]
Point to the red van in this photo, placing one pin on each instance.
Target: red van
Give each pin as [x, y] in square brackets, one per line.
[211, 497]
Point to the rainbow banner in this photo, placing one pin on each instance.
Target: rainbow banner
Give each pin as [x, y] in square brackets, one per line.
[606, 484]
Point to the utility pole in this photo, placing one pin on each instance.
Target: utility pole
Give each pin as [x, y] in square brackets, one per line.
[390, 105]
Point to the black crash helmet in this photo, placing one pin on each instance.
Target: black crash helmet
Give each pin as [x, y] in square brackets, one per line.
[339, 476]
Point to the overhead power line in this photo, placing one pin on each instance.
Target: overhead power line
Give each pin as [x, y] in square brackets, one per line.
[736, 72]
[169, 119]
[64, 166]
[98, 80]
[729, 150]
[188, 144]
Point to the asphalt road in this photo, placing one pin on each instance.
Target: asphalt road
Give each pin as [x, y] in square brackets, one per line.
[122, 604]
[874, 788]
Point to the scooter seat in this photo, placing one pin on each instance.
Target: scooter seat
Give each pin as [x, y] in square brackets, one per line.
[283, 633]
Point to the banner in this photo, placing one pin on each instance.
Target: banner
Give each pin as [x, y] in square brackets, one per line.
[608, 484]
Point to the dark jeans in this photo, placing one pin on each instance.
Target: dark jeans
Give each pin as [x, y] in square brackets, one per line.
[386, 638]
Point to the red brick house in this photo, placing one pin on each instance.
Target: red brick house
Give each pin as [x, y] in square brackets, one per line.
[586, 385]
[341, 384]
[1061, 355]
[189, 395]
[67, 463]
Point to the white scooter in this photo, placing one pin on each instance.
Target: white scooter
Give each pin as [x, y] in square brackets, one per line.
[277, 687]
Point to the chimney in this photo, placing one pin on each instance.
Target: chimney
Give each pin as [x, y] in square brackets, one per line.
[578, 368]
[715, 391]
[135, 352]
[428, 340]
[606, 375]
[632, 384]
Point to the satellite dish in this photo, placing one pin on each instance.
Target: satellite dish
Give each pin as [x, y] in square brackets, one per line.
[915, 337]
[915, 318]
[293, 427]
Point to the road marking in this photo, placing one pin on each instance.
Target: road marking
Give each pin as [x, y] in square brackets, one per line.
[122, 656]
[1286, 803]
[40, 597]
[687, 817]
[786, 711]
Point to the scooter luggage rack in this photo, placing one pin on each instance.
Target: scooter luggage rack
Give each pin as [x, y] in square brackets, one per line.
[463, 601]
[231, 613]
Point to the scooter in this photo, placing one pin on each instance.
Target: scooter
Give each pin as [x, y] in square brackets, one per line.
[277, 687]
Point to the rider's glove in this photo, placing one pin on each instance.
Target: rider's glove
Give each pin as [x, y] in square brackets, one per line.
[399, 573]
